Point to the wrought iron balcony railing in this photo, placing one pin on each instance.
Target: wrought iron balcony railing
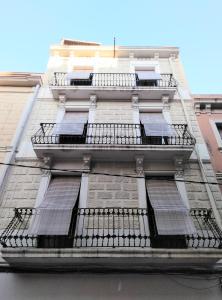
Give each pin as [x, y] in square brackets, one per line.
[112, 134]
[108, 227]
[113, 80]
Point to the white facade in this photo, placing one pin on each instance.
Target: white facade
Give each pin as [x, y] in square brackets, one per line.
[114, 162]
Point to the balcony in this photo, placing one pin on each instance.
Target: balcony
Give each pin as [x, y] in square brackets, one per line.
[119, 141]
[109, 227]
[119, 85]
[110, 235]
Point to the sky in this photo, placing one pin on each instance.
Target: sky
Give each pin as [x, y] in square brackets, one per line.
[29, 27]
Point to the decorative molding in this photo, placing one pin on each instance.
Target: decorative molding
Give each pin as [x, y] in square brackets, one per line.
[208, 108]
[62, 99]
[93, 99]
[165, 101]
[135, 101]
[197, 108]
[172, 55]
[87, 162]
[179, 167]
[46, 161]
[156, 55]
[139, 165]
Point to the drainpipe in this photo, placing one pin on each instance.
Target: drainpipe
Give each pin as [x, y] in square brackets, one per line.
[17, 137]
[207, 186]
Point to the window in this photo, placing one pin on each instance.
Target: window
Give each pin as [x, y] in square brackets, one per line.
[53, 221]
[73, 128]
[155, 129]
[169, 218]
[219, 128]
[80, 76]
[147, 77]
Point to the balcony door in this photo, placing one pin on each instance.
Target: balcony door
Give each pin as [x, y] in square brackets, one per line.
[72, 129]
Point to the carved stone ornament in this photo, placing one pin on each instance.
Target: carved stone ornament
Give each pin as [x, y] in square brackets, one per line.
[62, 99]
[208, 108]
[93, 99]
[135, 101]
[139, 165]
[197, 108]
[87, 162]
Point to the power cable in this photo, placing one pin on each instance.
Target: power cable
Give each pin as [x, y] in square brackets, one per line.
[109, 174]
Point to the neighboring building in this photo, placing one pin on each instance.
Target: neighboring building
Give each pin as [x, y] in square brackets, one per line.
[116, 178]
[17, 90]
[208, 109]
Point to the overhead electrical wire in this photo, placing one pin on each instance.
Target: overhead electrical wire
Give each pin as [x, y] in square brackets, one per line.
[158, 177]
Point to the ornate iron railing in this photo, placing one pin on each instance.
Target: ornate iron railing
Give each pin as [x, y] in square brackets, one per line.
[108, 227]
[111, 134]
[112, 80]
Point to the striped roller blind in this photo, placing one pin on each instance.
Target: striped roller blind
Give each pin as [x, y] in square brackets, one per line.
[72, 123]
[155, 124]
[171, 215]
[55, 212]
[147, 75]
[78, 75]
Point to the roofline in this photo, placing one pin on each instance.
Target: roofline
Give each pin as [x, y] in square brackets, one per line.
[25, 79]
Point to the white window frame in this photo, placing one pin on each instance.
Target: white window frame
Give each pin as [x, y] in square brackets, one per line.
[213, 123]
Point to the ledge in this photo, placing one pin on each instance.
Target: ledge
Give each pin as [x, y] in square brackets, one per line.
[113, 258]
[117, 152]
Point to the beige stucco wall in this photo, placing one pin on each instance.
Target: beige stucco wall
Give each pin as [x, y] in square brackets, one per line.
[12, 103]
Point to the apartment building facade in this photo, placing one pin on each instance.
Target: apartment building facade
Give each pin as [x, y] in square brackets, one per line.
[208, 109]
[113, 176]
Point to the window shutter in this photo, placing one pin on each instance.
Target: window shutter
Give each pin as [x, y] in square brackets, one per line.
[72, 123]
[171, 215]
[55, 212]
[155, 125]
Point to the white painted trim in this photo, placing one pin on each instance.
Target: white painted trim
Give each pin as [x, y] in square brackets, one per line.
[43, 186]
[83, 196]
[167, 116]
[136, 116]
[141, 185]
[216, 132]
[183, 192]
[60, 114]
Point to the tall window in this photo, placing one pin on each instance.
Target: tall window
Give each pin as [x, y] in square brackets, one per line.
[73, 127]
[155, 128]
[53, 219]
[219, 128]
[169, 219]
[81, 75]
[147, 77]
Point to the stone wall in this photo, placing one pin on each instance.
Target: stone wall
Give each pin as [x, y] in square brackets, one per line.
[113, 191]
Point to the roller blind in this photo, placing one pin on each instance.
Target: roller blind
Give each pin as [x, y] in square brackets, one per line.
[147, 75]
[171, 215]
[54, 213]
[78, 75]
[72, 123]
[155, 125]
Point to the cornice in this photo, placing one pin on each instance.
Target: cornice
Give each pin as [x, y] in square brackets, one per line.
[20, 79]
